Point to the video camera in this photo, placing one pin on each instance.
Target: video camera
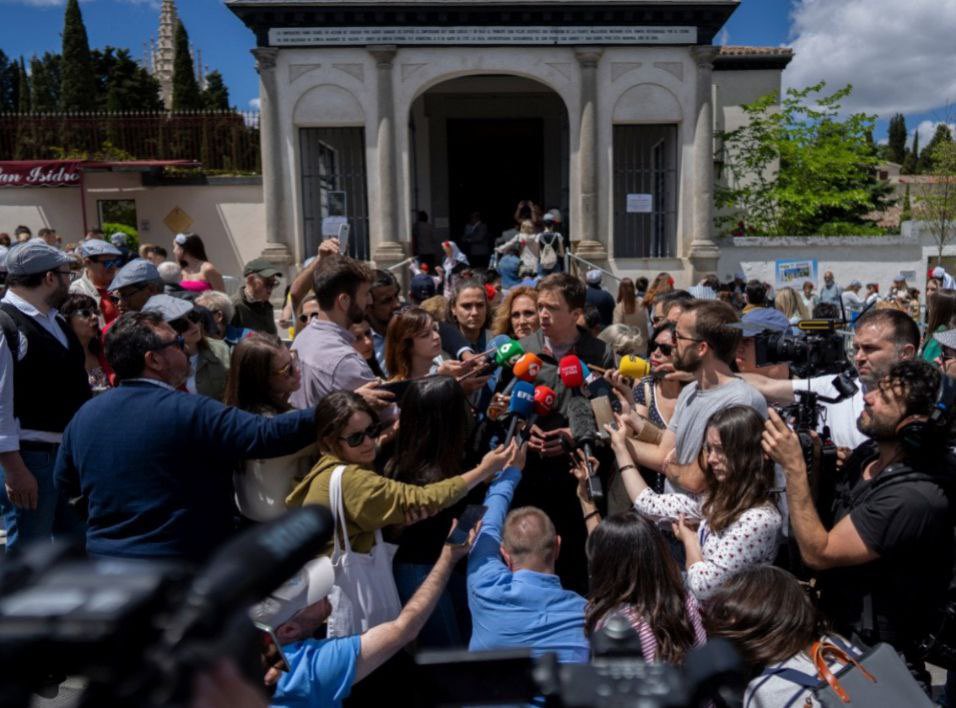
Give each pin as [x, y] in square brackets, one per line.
[139, 630]
[617, 676]
[819, 348]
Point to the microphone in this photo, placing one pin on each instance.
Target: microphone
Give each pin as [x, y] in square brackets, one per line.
[634, 367]
[584, 431]
[571, 372]
[544, 400]
[520, 407]
[508, 353]
[496, 341]
[526, 368]
[248, 568]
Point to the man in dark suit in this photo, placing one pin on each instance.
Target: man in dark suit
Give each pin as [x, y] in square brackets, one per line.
[545, 482]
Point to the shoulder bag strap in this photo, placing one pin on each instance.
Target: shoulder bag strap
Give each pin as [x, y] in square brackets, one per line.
[338, 511]
[819, 652]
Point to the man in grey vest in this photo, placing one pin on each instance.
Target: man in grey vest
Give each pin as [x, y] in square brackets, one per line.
[42, 384]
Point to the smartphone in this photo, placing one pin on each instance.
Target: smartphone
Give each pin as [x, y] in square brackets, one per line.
[603, 414]
[397, 387]
[472, 514]
[344, 230]
[270, 649]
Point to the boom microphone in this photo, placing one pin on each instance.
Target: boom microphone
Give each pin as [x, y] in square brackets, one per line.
[520, 407]
[584, 432]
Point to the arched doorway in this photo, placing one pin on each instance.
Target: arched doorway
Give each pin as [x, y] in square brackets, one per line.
[484, 143]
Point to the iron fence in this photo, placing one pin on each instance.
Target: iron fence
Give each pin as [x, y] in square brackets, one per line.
[226, 141]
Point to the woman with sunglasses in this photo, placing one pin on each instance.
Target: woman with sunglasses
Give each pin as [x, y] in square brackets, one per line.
[308, 311]
[347, 432]
[263, 374]
[83, 315]
[209, 358]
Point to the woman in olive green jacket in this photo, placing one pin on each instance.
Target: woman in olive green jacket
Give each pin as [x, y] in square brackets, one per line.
[347, 431]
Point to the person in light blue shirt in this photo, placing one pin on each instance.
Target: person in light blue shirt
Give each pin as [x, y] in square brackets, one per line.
[515, 598]
[321, 672]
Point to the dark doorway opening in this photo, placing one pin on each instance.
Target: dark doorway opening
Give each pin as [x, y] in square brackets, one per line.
[492, 165]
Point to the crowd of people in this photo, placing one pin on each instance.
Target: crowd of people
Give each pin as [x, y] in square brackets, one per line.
[147, 410]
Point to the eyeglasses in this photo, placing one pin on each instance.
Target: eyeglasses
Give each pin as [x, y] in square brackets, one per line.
[125, 293]
[86, 312]
[356, 439]
[110, 263]
[270, 282]
[304, 319]
[687, 339]
[179, 342]
[184, 323]
[666, 349]
[291, 367]
[71, 275]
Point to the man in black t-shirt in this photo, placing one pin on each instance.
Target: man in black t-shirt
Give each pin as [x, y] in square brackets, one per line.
[885, 566]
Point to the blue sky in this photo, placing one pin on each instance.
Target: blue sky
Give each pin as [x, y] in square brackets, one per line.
[899, 65]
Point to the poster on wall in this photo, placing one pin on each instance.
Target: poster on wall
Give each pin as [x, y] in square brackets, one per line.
[49, 173]
[639, 203]
[792, 273]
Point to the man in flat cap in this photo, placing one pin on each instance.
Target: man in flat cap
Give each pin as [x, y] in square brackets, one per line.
[43, 382]
[253, 309]
[135, 283]
[100, 262]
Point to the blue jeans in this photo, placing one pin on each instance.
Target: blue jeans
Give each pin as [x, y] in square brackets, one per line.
[448, 625]
[52, 515]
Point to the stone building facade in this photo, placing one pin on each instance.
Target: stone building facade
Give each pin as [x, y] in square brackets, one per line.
[372, 113]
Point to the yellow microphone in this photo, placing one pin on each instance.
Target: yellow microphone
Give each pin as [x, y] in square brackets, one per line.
[634, 367]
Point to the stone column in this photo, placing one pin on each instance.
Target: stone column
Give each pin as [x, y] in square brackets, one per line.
[703, 252]
[591, 246]
[274, 178]
[387, 250]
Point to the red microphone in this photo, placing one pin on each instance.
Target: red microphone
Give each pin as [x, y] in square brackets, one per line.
[544, 400]
[571, 372]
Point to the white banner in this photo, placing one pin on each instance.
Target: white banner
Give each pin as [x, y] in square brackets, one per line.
[349, 36]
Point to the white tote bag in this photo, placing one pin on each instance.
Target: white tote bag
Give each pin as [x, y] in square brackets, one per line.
[364, 594]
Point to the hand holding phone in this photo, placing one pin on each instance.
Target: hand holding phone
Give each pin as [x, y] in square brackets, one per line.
[469, 518]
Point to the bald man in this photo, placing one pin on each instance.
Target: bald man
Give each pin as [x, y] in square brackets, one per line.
[515, 598]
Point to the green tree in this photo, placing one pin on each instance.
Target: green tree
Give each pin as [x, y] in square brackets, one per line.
[122, 84]
[912, 157]
[45, 83]
[906, 214]
[186, 95]
[23, 89]
[936, 204]
[9, 70]
[799, 169]
[215, 96]
[942, 135]
[896, 145]
[78, 83]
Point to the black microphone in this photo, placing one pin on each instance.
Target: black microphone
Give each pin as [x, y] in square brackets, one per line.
[248, 568]
[584, 431]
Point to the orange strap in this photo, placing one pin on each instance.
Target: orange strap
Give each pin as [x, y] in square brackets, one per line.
[818, 653]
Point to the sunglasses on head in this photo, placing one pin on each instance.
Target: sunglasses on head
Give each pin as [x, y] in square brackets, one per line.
[356, 439]
[666, 349]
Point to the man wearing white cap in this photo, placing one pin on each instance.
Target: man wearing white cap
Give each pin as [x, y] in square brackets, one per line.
[100, 262]
[43, 383]
[322, 671]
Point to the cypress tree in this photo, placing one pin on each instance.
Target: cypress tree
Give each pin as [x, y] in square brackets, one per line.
[907, 213]
[78, 82]
[45, 80]
[24, 141]
[912, 157]
[897, 139]
[23, 89]
[215, 96]
[186, 96]
[925, 163]
[8, 83]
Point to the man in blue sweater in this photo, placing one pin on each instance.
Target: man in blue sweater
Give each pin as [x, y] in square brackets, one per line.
[515, 598]
[154, 463]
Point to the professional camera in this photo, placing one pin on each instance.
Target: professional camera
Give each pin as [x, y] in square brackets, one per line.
[819, 348]
[617, 676]
[139, 630]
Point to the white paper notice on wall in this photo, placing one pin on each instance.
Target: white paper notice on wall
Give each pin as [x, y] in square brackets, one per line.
[640, 203]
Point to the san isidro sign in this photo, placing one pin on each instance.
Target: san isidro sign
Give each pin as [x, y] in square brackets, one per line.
[355, 36]
[40, 174]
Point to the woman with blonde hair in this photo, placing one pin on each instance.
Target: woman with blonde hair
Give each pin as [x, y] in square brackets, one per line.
[791, 305]
[517, 315]
[627, 310]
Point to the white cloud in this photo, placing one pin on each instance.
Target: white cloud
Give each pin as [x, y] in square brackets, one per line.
[899, 56]
[926, 130]
[34, 3]
[724, 38]
[255, 104]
